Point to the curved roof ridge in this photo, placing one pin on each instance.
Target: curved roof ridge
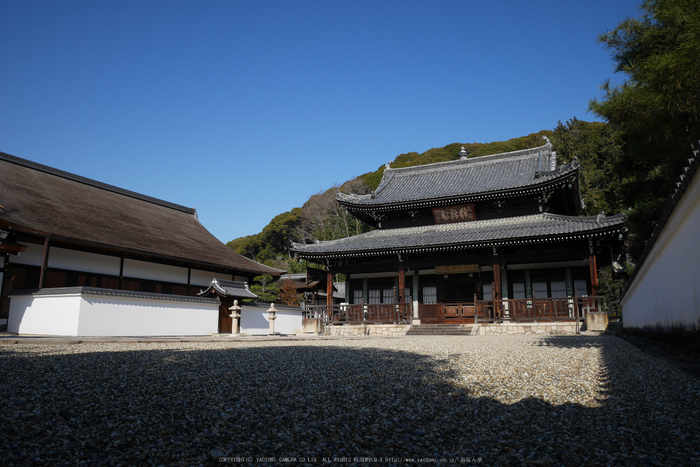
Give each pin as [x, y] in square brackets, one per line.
[474, 160]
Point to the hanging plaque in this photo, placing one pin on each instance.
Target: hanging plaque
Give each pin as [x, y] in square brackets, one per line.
[457, 269]
[463, 213]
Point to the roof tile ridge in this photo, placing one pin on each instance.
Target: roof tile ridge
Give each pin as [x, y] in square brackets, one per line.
[470, 161]
[91, 182]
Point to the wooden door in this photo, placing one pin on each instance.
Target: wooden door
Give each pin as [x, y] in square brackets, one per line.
[225, 321]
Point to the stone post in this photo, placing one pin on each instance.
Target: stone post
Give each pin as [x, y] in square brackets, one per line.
[235, 314]
[272, 317]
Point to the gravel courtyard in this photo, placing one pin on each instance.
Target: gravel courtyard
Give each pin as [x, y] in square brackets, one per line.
[488, 400]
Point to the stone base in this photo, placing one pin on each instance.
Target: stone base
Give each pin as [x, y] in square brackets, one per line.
[528, 328]
[597, 321]
[372, 330]
[313, 326]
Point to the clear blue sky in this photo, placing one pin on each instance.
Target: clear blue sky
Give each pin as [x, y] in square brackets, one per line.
[246, 108]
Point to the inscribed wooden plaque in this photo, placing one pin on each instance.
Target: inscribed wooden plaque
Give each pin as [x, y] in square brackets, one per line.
[463, 213]
[457, 269]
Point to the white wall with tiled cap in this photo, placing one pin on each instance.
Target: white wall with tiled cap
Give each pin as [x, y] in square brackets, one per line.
[79, 313]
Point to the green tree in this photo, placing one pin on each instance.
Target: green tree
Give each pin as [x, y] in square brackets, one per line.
[657, 108]
[264, 288]
[597, 146]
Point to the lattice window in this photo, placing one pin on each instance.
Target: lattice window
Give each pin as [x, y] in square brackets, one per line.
[581, 287]
[430, 294]
[519, 290]
[488, 291]
[357, 297]
[558, 289]
[539, 290]
[388, 296]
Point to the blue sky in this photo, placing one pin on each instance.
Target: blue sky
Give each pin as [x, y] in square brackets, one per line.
[244, 109]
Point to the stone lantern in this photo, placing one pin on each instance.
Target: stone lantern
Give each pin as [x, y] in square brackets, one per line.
[271, 316]
[235, 315]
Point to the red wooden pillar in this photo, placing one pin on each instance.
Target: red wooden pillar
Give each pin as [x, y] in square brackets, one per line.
[329, 295]
[496, 281]
[594, 273]
[329, 288]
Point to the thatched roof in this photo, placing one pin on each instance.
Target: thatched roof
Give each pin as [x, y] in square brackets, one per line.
[35, 198]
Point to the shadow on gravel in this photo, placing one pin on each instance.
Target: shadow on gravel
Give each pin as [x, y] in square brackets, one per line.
[311, 403]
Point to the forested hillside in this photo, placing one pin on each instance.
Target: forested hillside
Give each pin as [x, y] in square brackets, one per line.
[322, 218]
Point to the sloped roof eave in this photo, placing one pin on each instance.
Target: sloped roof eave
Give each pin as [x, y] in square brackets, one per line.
[614, 224]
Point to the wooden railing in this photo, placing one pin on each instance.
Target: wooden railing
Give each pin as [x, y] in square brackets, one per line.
[480, 311]
[544, 309]
[379, 313]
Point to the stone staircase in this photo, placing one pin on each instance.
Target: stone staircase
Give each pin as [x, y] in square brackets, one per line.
[440, 330]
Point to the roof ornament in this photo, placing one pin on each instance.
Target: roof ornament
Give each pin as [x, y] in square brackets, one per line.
[546, 139]
[600, 216]
[463, 154]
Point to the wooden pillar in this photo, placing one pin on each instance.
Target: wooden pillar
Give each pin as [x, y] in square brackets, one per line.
[329, 295]
[593, 268]
[329, 288]
[415, 295]
[594, 273]
[121, 274]
[44, 263]
[496, 281]
[402, 284]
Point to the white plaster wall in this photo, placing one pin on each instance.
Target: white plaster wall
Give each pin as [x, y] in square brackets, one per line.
[121, 316]
[666, 290]
[254, 321]
[32, 256]
[73, 260]
[154, 271]
[96, 315]
[55, 316]
[204, 278]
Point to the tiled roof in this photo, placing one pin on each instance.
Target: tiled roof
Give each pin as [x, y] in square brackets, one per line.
[446, 237]
[39, 199]
[464, 178]
[226, 288]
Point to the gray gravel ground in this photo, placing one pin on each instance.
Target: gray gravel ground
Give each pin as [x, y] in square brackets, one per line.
[489, 400]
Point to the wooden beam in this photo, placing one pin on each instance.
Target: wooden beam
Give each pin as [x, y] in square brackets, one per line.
[44, 262]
